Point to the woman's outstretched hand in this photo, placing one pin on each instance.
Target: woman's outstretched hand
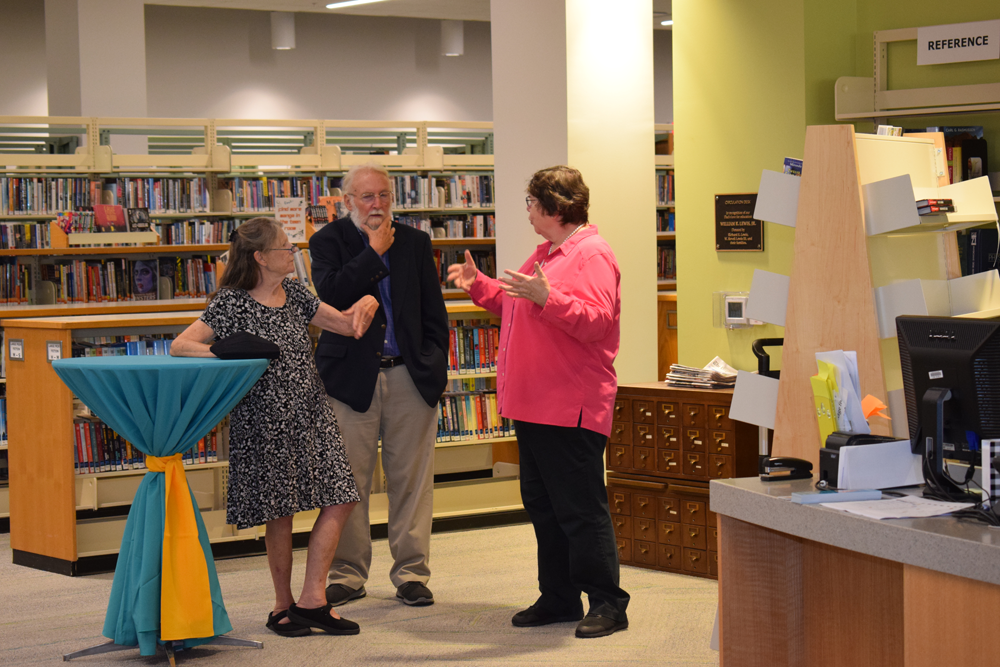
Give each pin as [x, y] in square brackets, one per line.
[534, 288]
[361, 314]
[463, 275]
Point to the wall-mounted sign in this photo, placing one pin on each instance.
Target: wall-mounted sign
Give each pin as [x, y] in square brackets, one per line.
[958, 42]
[735, 226]
[53, 350]
[16, 347]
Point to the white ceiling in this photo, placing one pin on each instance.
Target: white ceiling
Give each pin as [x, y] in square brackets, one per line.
[463, 10]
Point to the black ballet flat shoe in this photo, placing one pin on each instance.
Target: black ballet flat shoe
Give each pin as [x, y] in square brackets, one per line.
[290, 629]
[321, 620]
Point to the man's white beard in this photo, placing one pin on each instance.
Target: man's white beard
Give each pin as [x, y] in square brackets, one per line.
[356, 218]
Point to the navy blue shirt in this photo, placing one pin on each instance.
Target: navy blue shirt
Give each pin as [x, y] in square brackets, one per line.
[389, 347]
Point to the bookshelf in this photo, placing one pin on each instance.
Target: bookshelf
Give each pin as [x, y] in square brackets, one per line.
[848, 253]
[72, 523]
[190, 171]
[666, 249]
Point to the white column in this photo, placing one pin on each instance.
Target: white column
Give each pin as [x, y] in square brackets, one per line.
[96, 57]
[573, 84]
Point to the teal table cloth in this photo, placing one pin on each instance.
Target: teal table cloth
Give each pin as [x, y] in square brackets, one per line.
[162, 405]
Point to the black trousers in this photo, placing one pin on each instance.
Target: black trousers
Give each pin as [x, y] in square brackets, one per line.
[562, 487]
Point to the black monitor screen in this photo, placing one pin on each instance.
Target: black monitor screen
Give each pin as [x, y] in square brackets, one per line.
[961, 355]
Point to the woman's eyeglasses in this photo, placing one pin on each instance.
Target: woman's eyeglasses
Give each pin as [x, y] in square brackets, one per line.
[293, 250]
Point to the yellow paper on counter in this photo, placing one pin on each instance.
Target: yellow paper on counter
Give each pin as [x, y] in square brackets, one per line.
[824, 385]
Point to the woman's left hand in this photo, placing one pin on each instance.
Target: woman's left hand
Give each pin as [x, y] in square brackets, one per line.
[361, 314]
[521, 286]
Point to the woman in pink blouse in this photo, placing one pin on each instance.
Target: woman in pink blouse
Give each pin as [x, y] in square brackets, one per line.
[556, 379]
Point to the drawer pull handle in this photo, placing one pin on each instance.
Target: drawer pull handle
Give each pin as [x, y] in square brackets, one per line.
[693, 532]
[643, 502]
[643, 549]
[668, 530]
[694, 557]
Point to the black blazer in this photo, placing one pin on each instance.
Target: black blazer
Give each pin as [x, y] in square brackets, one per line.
[344, 269]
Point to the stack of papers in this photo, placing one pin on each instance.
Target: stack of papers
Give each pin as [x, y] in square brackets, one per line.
[716, 375]
[907, 507]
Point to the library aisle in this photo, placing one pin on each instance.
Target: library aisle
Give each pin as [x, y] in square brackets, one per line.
[46, 615]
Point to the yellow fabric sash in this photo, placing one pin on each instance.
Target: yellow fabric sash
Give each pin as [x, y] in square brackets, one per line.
[185, 597]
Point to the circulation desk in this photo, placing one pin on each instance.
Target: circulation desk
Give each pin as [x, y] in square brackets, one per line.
[811, 586]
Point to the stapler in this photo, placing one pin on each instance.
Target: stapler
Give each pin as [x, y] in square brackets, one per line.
[784, 468]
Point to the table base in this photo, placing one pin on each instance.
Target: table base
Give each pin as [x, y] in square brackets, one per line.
[168, 647]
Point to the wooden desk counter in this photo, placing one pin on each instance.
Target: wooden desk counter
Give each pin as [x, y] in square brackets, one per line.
[811, 586]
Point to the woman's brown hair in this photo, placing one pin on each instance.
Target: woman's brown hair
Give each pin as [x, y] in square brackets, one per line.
[242, 271]
[561, 191]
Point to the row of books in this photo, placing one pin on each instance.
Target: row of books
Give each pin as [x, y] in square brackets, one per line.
[977, 250]
[473, 347]
[196, 231]
[470, 227]
[99, 448]
[665, 188]
[665, 221]
[24, 236]
[257, 194]
[486, 261]
[122, 279]
[666, 262]
[455, 191]
[3, 419]
[26, 195]
[15, 281]
[471, 416]
[131, 345]
[160, 195]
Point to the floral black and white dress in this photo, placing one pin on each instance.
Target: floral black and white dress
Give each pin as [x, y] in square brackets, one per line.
[285, 450]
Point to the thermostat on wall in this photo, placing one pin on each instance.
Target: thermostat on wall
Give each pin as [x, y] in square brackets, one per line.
[736, 307]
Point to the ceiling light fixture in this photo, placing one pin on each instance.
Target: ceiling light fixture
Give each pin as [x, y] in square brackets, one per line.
[452, 38]
[282, 31]
[350, 3]
[667, 22]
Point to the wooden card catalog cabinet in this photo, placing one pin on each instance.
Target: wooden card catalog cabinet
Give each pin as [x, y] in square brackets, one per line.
[665, 446]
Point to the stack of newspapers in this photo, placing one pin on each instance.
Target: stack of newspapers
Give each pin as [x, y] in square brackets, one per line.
[716, 375]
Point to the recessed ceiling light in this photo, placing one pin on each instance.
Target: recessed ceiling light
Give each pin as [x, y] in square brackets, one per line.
[350, 3]
[667, 22]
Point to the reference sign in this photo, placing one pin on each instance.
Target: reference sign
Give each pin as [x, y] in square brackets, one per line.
[958, 42]
[735, 226]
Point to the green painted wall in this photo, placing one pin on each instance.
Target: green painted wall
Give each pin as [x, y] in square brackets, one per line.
[749, 75]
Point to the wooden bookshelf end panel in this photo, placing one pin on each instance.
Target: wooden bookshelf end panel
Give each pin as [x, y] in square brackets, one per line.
[40, 424]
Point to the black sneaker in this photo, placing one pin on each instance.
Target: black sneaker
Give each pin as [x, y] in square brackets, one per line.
[415, 594]
[338, 594]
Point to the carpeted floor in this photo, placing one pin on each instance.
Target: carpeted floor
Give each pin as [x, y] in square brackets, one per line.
[480, 579]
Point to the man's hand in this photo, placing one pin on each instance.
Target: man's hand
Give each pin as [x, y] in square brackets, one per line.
[381, 237]
[463, 275]
[521, 286]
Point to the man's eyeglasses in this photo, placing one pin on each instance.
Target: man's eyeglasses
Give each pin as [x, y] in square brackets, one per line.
[369, 197]
[530, 201]
[293, 250]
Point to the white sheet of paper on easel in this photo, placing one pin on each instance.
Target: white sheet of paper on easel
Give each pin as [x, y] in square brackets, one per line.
[755, 399]
[768, 300]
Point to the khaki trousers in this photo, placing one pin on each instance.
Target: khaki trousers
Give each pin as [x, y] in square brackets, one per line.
[408, 427]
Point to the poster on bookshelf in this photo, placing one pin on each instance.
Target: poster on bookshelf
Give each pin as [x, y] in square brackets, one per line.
[291, 213]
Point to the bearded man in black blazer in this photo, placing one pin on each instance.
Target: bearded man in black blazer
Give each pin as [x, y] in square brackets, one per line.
[387, 382]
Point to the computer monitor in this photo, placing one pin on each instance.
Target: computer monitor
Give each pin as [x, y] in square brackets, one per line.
[951, 381]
